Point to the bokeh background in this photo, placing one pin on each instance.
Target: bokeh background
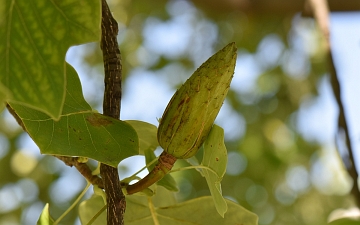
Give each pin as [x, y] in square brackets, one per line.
[280, 117]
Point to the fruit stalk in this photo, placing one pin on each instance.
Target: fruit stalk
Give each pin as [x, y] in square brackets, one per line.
[163, 166]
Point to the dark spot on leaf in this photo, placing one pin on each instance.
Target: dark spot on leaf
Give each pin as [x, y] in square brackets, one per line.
[217, 159]
[97, 120]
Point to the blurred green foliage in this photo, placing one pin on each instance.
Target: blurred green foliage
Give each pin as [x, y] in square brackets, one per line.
[273, 169]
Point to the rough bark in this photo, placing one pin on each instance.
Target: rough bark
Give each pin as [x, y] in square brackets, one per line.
[115, 199]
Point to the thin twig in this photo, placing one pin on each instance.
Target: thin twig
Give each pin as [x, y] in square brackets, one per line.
[83, 168]
[343, 127]
[320, 11]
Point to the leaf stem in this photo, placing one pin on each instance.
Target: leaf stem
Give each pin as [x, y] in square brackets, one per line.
[164, 165]
[153, 212]
[96, 215]
[194, 167]
[73, 204]
[132, 177]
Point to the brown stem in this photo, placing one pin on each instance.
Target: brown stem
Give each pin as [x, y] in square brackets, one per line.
[83, 169]
[115, 199]
[164, 165]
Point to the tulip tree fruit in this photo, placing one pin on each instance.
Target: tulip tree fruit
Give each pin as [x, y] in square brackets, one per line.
[190, 114]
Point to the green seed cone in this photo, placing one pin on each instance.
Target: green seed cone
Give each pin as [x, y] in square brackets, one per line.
[191, 112]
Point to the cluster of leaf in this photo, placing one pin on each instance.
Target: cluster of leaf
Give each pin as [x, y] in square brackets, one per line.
[274, 103]
[47, 97]
[163, 207]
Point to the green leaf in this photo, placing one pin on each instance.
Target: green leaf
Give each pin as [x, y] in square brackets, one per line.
[142, 210]
[163, 197]
[89, 208]
[34, 37]
[215, 157]
[3, 96]
[167, 181]
[80, 131]
[146, 133]
[196, 211]
[45, 218]
[345, 221]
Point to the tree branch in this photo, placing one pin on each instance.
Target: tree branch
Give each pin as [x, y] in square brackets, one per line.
[115, 199]
[83, 169]
[320, 11]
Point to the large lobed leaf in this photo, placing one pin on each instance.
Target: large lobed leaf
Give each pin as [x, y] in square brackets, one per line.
[80, 131]
[34, 37]
[161, 208]
[89, 208]
[3, 96]
[215, 158]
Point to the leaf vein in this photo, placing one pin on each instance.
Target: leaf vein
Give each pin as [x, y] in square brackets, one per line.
[92, 141]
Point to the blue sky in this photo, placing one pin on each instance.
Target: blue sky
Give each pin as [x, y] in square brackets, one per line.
[346, 49]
